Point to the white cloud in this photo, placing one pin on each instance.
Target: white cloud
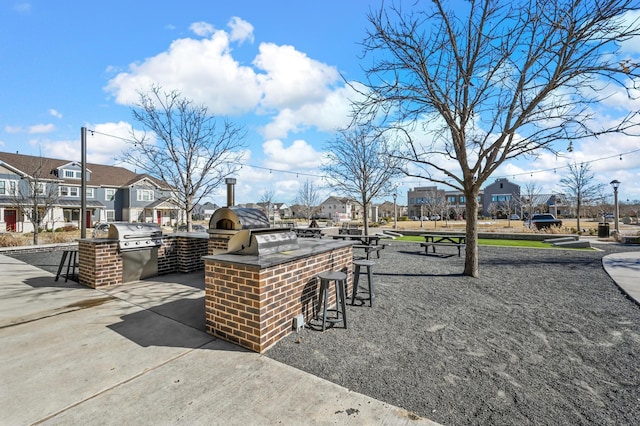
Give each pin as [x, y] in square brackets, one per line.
[292, 78]
[299, 155]
[241, 30]
[333, 112]
[55, 113]
[203, 70]
[283, 84]
[202, 29]
[42, 128]
[12, 129]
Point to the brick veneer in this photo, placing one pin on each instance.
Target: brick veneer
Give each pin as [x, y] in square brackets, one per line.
[254, 306]
[100, 261]
[189, 253]
[218, 243]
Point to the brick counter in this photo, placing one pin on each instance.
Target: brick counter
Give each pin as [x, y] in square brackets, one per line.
[252, 300]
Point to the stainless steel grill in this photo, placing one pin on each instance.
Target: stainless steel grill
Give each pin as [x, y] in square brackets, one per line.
[135, 236]
[138, 244]
[260, 242]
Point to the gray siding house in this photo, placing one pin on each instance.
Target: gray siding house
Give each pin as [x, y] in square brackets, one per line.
[113, 193]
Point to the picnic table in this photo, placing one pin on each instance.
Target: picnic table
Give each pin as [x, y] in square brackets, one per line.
[368, 243]
[443, 240]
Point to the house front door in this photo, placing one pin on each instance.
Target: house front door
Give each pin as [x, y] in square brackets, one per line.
[10, 218]
[88, 219]
[159, 217]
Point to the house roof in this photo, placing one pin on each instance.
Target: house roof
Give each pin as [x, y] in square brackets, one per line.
[101, 175]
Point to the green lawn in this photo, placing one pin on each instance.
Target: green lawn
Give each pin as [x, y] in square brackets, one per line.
[489, 242]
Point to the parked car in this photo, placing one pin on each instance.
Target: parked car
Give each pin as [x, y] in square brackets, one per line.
[514, 217]
[434, 217]
[541, 221]
[194, 227]
[100, 230]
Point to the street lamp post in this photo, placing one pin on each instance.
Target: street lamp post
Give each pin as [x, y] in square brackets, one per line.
[615, 184]
[395, 213]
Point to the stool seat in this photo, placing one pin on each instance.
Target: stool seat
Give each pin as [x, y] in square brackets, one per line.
[358, 264]
[332, 275]
[340, 280]
[364, 262]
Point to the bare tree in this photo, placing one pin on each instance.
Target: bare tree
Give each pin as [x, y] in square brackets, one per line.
[509, 207]
[36, 194]
[308, 198]
[358, 167]
[528, 197]
[193, 153]
[493, 210]
[580, 187]
[266, 201]
[491, 81]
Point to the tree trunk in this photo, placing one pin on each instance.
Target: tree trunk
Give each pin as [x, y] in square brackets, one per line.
[471, 251]
[365, 216]
[578, 216]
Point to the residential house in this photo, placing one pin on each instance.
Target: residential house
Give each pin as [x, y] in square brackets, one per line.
[339, 209]
[113, 193]
[207, 209]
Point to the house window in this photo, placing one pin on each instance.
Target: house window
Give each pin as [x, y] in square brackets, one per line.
[3, 189]
[90, 193]
[111, 215]
[463, 200]
[69, 191]
[73, 174]
[38, 187]
[109, 194]
[145, 195]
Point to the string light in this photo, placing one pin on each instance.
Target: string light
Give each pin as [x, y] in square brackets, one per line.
[298, 174]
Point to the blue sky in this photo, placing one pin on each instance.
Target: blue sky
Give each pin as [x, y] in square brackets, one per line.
[274, 67]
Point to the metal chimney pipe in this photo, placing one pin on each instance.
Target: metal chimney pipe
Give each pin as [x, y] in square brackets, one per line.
[231, 196]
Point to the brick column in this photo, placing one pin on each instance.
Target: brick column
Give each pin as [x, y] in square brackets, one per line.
[99, 263]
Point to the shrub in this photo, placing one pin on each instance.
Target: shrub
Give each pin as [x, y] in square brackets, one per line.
[11, 240]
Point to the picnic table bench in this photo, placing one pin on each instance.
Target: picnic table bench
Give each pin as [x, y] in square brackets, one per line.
[449, 240]
[368, 243]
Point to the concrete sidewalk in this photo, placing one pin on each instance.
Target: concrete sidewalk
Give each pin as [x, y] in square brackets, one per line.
[624, 269]
[138, 353]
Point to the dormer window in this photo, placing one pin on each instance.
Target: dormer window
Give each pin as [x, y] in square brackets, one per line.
[72, 174]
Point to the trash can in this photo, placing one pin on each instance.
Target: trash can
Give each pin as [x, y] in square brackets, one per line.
[603, 230]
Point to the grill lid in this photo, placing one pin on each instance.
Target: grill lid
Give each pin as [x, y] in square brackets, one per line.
[135, 236]
[263, 241]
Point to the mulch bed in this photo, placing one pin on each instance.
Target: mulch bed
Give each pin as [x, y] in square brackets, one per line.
[542, 337]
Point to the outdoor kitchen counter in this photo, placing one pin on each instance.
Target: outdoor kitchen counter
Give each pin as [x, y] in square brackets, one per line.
[308, 248]
[255, 300]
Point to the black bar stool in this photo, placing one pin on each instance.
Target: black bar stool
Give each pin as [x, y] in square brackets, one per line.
[358, 263]
[340, 280]
[71, 257]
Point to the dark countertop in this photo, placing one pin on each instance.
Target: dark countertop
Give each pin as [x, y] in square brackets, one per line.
[308, 247]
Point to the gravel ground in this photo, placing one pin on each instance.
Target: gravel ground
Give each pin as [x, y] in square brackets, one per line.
[543, 337]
